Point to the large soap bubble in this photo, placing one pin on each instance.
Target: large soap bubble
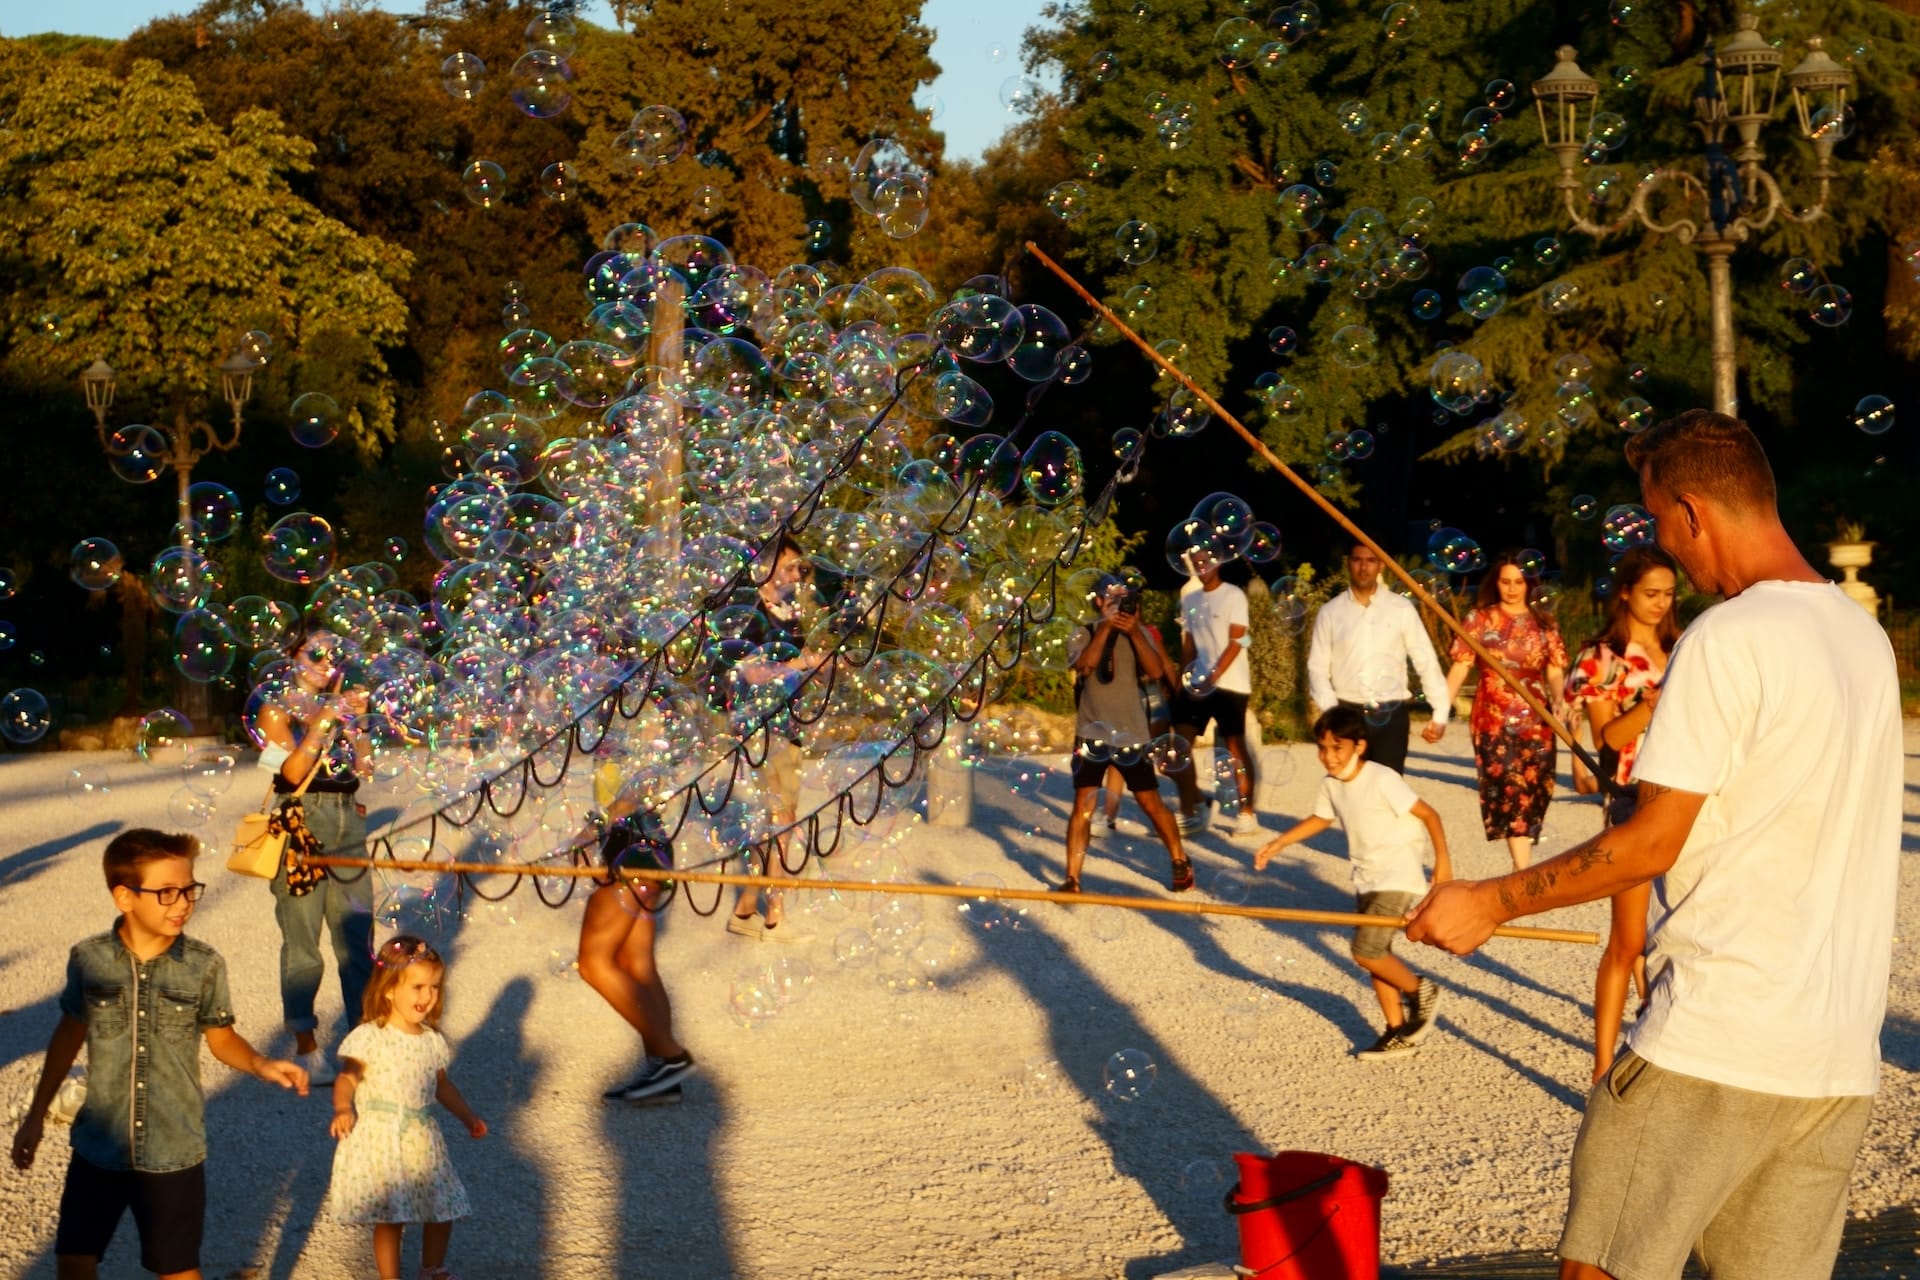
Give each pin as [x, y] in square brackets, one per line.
[25, 716]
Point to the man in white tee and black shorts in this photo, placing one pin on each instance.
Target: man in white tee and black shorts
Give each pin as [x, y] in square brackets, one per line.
[1769, 822]
[1216, 683]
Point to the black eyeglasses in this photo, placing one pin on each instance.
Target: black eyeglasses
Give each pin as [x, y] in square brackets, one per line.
[171, 894]
[318, 656]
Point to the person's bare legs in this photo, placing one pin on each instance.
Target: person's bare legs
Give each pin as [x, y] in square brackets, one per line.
[1391, 980]
[1520, 849]
[1626, 943]
[1115, 785]
[386, 1248]
[1187, 781]
[1161, 819]
[1242, 772]
[1079, 830]
[433, 1245]
[616, 960]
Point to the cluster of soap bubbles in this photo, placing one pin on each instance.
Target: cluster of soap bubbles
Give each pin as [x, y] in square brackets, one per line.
[1369, 253]
[613, 509]
[1451, 551]
[541, 78]
[1828, 305]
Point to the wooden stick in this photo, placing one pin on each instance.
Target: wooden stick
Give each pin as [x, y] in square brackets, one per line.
[1287, 914]
[1339, 517]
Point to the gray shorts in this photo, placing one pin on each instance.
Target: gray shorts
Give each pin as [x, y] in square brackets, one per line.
[1369, 943]
[1753, 1184]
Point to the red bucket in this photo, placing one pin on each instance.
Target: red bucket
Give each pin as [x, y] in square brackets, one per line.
[1306, 1216]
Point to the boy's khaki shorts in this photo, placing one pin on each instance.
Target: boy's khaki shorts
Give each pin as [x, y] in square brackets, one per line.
[1666, 1164]
[1370, 943]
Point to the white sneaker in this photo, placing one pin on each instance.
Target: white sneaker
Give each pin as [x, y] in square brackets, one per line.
[1247, 823]
[1192, 824]
[318, 1066]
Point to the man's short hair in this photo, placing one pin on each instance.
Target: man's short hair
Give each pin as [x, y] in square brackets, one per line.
[1344, 723]
[129, 853]
[1710, 454]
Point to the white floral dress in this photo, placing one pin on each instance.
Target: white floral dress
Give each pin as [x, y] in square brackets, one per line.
[393, 1166]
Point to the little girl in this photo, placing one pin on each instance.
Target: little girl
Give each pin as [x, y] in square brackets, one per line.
[391, 1166]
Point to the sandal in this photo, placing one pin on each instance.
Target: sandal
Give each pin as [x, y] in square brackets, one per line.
[1182, 875]
[1069, 885]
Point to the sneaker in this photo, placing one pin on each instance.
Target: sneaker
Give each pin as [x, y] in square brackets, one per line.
[1118, 827]
[671, 1096]
[1247, 823]
[746, 927]
[1392, 1044]
[1420, 1010]
[784, 931]
[657, 1075]
[1192, 824]
[318, 1066]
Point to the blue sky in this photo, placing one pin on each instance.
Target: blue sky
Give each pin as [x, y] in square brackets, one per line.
[977, 43]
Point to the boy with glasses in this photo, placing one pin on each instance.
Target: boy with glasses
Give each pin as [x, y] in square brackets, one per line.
[139, 997]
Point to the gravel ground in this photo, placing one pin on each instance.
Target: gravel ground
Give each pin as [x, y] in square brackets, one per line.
[957, 1129]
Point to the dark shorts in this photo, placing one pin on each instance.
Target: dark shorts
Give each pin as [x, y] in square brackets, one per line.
[1226, 710]
[1136, 770]
[626, 845]
[169, 1211]
[1371, 944]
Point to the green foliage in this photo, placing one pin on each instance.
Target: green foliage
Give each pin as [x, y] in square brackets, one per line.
[141, 233]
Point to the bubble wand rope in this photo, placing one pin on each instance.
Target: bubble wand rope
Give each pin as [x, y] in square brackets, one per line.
[1339, 517]
[1291, 915]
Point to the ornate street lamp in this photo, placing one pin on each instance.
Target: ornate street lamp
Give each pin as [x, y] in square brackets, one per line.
[1739, 88]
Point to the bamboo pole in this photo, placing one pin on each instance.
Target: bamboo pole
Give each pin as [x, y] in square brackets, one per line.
[1291, 915]
[1338, 516]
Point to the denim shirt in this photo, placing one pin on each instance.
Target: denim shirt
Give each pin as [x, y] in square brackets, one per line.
[144, 1107]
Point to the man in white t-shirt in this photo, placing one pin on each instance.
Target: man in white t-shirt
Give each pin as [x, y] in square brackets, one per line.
[1363, 640]
[1769, 822]
[1216, 682]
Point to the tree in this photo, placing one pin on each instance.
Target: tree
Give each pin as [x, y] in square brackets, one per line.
[141, 233]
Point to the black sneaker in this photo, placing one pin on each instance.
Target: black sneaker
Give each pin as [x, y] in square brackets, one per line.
[659, 1075]
[1392, 1044]
[1420, 1010]
[667, 1097]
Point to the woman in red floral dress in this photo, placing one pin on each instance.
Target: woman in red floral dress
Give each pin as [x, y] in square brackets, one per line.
[1616, 679]
[1512, 748]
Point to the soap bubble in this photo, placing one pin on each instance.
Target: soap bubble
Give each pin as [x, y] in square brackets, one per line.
[485, 183]
[463, 75]
[204, 647]
[659, 136]
[556, 182]
[1102, 66]
[25, 716]
[96, 564]
[1456, 380]
[1301, 207]
[160, 739]
[1625, 527]
[87, 786]
[542, 84]
[1873, 415]
[283, 487]
[181, 579]
[1354, 346]
[137, 454]
[1829, 306]
[1239, 41]
[1482, 292]
[1129, 1075]
[213, 511]
[255, 347]
[1633, 414]
[1050, 470]
[1136, 242]
[299, 549]
[553, 31]
[210, 769]
[1452, 551]
[1282, 340]
[1043, 338]
[1606, 131]
[314, 420]
[1584, 506]
[1547, 251]
[1067, 201]
[1018, 94]
[1353, 117]
[1426, 305]
[1799, 275]
[1396, 20]
[1560, 297]
[1500, 95]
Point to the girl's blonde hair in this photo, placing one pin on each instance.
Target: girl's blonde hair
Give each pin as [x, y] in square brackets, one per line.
[389, 965]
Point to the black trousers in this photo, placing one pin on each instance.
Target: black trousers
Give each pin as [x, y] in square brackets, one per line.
[1387, 741]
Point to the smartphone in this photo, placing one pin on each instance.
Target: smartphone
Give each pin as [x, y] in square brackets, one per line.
[1130, 604]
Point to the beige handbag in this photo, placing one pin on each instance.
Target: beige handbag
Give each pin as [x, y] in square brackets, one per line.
[260, 845]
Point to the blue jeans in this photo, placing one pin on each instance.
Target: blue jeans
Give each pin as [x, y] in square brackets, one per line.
[345, 908]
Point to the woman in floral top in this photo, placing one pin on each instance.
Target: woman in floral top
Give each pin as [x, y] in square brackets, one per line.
[1616, 678]
[1512, 748]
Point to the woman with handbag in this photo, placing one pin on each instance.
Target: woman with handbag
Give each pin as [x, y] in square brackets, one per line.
[311, 742]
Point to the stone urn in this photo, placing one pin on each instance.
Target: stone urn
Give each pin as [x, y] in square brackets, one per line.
[1850, 558]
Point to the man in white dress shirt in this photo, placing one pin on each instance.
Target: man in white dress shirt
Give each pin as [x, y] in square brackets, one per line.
[1363, 639]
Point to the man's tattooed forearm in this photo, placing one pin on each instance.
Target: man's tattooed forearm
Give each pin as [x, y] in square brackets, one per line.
[1537, 881]
[1587, 857]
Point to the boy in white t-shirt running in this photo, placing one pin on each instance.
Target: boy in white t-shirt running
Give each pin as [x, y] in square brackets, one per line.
[1387, 828]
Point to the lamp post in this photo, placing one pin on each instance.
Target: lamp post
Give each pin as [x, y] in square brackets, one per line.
[1739, 88]
[189, 440]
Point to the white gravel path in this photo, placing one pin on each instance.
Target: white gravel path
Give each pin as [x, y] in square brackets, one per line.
[863, 1133]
